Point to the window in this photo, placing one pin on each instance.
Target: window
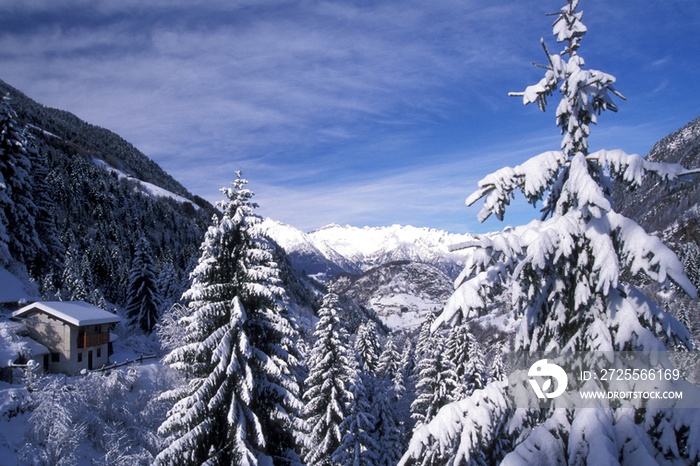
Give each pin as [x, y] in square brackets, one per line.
[80, 357]
[55, 357]
[99, 352]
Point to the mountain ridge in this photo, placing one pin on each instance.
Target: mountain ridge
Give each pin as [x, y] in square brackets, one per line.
[332, 249]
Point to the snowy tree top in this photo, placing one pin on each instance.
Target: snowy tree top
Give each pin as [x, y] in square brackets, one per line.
[565, 266]
[584, 92]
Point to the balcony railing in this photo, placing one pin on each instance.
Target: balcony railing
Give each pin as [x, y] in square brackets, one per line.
[96, 339]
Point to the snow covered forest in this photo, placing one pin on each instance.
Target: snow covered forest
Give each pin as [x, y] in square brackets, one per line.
[259, 363]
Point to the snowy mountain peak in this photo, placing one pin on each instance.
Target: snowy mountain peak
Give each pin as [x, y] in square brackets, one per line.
[329, 226]
[333, 249]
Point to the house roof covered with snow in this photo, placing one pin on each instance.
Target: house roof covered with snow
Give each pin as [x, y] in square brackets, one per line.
[77, 313]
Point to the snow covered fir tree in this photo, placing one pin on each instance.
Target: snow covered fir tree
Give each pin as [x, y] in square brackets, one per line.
[327, 396]
[241, 403]
[143, 300]
[565, 271]
[19, 238]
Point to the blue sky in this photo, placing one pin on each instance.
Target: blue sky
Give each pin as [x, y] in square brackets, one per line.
[366, 113]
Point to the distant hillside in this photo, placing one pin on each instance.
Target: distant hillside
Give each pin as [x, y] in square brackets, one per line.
[654, 207]
[401, 292]
[84, 197]
[73, 135]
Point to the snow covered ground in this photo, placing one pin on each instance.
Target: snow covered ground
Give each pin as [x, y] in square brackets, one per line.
[12, 289]
[407, 312]
[47, 133]
[403, 311]
[152, 378]
[12, 428]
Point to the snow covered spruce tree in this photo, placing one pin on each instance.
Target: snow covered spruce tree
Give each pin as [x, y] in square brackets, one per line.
[437, 382]
[387, 431]
[565, 270]
[358, 447]
[51, 252]
[466, 358]
[73, 287]
[404, 387]
[241, 402]
[17, 220]
[169, 285]
[327, 394]
[367, 347]
[389, 360]
[142, 298]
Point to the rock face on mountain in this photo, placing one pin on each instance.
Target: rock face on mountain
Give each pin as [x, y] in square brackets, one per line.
[401, 292]
[654, 207]
[333, 249]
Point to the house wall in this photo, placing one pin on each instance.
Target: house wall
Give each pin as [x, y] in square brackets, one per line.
[61, 338]
[56, 335]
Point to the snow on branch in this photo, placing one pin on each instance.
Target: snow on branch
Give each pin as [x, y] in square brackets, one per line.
[485, 270]
[647, 253]
[460, 429]
[637, 323]
[538, 173]
[469, 298]
[532, 177]
[633, 167]
[611, 240]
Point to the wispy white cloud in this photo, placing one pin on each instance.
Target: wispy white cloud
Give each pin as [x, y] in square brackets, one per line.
[661, 61]
[365, 109]
[427, 195]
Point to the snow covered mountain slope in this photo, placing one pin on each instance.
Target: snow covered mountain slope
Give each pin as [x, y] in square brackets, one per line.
[401, 292]
[333, 249]
[13, 290]
[72, 135]
[145, 186]
[305, 255]
[655, 208]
